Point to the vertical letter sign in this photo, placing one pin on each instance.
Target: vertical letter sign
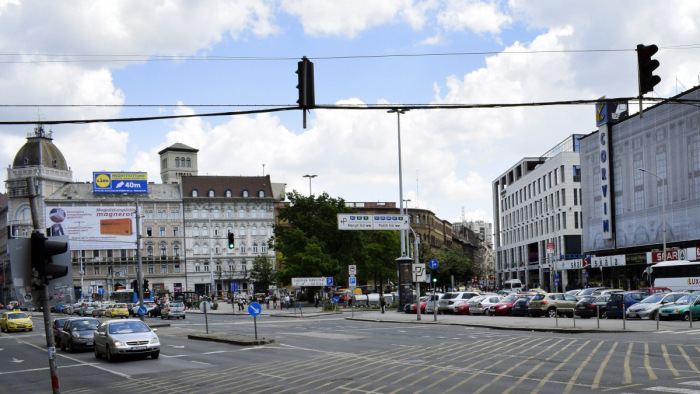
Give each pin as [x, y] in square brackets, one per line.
[604, 139]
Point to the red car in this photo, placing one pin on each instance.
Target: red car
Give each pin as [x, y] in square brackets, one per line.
[412, 308]
[505, 307]
[462, 309]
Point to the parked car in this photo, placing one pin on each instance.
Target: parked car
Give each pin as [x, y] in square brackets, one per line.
[681, 309]
[101, 308]
[649, 307]
[591, 291]
[173, 309]
[552, 304]
[654, 290]
[588, 306]
[154, 312]
[57, 327]
[521, 306]
[78, 333]
[412, 308]
[115, 338]
[462, 308]
[505, 306]
[432, 301]
[86, 308]
[447, 302]
[622, 300]
[481, 306]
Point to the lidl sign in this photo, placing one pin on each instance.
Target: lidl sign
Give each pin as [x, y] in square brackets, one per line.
[119, 182]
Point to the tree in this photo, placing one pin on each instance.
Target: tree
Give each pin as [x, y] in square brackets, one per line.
[263, 273]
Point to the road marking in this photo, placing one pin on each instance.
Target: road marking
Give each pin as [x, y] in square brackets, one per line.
[647, 364]
[14, 360]
[272, 376]
[668, 361]
[691, 383]
[559, 366]
[361, 391]
[580, 368]
[672, 390]
[599, 374]
[628, 372]
[200, 362]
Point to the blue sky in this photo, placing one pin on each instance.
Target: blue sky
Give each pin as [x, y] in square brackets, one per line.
[449, 158]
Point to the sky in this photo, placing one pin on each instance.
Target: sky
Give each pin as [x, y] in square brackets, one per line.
[85, 59]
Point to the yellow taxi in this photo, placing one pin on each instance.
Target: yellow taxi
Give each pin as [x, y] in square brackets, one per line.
[15, 321]
[117, 310]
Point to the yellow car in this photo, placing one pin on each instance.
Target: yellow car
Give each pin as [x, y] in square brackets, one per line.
[117, 310]
[15, 321]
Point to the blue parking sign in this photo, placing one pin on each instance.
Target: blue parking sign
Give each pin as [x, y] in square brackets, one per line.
[329, 281]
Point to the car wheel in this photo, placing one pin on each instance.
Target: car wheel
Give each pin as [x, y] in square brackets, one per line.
[552, 312]
[686, 316]
[97, 353]
[652, 316]
[62, 346]
[509, 312]
[162, 317]
[110, 357]
[71, 347]
[155, 355]
[183, 318]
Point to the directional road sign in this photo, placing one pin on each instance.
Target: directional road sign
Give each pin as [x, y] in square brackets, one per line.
[254, 309]
[329, 281]
[336, 299]
[433, 263]
[351, 221]
[142, 310]
[418, 272]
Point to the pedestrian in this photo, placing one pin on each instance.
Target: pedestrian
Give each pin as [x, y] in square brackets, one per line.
[382, 302]
[267, 302]
[287, 301]
[274, 301]
[240, 303]
[316, 299]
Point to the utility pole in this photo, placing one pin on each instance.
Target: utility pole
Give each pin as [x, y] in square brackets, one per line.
[139, 275]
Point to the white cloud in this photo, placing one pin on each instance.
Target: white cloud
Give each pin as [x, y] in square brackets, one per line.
[474, 15]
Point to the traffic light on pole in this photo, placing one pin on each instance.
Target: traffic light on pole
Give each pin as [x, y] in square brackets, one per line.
[230, 240]
[305, 71]
[646, 66]
[43, 251]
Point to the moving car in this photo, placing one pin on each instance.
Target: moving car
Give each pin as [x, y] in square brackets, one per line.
[681, 309]
[15, 321]
[173, 309]
[57, 327]
[649, 307]
[116, 338]
[78, 333]
[117, 310]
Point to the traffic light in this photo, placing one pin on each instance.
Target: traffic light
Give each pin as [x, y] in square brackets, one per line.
[145, 284]
[305, 71]
[43, 251]
[434, 280]
[230, 240]
[135, 284]
[646, 66]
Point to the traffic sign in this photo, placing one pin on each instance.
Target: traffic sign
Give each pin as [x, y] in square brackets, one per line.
[335, 299]
[205, 306]
[142, 310]
[418, 272]
[352, 269]
[433, 263]
[351, 221]
[254, 309]
[329, 281]
[353, 281]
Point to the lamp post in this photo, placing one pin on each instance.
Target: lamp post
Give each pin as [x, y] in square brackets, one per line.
[663, 204]
[551, 260]
[401, 211]
[80, 256]
[212, 285]
[310, 177]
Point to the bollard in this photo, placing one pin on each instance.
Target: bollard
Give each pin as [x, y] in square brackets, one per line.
[556, 317]
[690, 310]
[597, 314]
[574, 317]
[657, 320]
[624, 317]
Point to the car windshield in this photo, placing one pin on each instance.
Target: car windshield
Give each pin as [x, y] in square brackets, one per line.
[510, 298]
[685, 300]
[602, 298]
[17, 316]
[653, 299]
[477, 299]
[588, 299]
[128, 327]
[177, 304]
[84, 325]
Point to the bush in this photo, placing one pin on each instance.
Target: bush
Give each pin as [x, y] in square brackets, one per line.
[214, 305]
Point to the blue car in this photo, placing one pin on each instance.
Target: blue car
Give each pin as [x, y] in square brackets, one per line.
[521, 306]
[618, 300]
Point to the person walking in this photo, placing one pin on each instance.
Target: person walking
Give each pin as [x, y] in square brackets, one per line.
[382, 302]
[287, 301]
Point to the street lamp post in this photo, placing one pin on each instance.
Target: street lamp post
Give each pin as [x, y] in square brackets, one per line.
[663, 204]
[401, 211]
[80, 257]
[310, 177]
[550, 256]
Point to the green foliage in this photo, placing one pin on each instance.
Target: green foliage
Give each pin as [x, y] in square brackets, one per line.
[452, 262]
[214, 305]
[263, 273]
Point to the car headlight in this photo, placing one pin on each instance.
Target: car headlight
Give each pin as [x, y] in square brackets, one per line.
[502, 307]
[76, 335]
[154, 341]
[119, 343]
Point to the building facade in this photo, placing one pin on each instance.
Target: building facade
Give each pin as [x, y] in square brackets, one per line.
[215, 206]
[625, 208]
[537, 218]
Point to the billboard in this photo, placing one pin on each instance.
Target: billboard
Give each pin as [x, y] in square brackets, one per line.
[93, 227]
[119, 182]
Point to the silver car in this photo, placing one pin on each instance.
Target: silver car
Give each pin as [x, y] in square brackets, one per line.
[480, 305]
[449, 300]
[649, 307]
[115, 338]
[174, 309]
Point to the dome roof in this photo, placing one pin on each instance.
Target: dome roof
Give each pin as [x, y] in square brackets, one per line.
[39, 151]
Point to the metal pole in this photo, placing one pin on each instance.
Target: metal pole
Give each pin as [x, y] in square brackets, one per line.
[80, 257]
[212, 285]
[45, 305]
[398, 123]
[139, 276]
[415, 257]
[597, 315]
[434, 301]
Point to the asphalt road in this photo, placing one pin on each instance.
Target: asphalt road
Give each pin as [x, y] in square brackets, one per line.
[331, 354]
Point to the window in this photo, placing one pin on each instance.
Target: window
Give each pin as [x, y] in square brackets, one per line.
[255, 247]
[205, 213]
[176, 231]
[175, 214]
[96, 270]
[575, 197]
[262, 213]
[575, 220]
[176, 251]
[195, 193]
[242, 248]
[263, 231]
[176, 268]
[122, 253]
[228, 193]
[245, 193]
[253, 213]
[577, 173]
[197, 267]
[241, 232]
[229, 213]
[205, 248]
[196, 249]
[216, 231]
[241, 213]
[163, 269]
[151, 269]
[261, 193]
[188, 162]
[206, 267]
[149, 251]
[263, 248]
[205, 231]
[254, 231]
[211, 193]
[195, 214]
[162, 251]
[217, 249]
[177, 162]
[195, 231]
[149, 231]
[218, 267]
[162, 231]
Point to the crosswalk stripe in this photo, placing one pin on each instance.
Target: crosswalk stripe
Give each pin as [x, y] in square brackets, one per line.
[664, 389]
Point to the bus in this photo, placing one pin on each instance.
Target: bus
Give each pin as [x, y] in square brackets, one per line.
[676, 275]
[130, 296]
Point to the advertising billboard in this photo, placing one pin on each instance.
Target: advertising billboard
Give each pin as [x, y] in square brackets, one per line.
[93, 227]
[119, 182]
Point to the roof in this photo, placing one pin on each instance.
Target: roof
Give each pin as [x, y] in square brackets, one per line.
[178, 147]
[82, 192]
[39, 151]
[220, 184]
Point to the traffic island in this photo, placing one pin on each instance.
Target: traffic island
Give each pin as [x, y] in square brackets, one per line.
[232, 339]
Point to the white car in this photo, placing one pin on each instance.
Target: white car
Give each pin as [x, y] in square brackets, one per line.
[432, 301]
[448, 301]
[480, 305]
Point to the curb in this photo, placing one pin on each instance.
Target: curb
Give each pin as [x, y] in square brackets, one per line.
[231, 339]
[571, 330]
